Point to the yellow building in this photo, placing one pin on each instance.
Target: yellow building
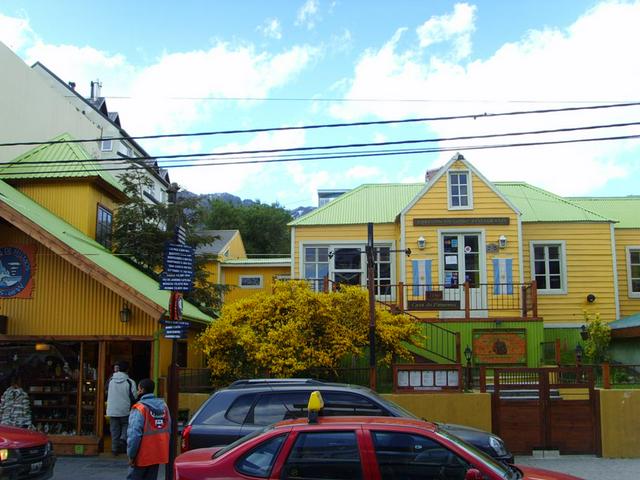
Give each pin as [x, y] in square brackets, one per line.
[69, 308]
[504, 268]
[243, 276]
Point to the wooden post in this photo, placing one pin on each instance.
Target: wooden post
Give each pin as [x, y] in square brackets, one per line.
[534, 298]
[557, 352]
[458, 348]
[325, 284]
[606, 376]
[523, 301]
[483, 379]
[467, 301]
[401, 296]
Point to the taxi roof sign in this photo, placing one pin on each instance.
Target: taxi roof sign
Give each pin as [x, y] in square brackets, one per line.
[316, 403]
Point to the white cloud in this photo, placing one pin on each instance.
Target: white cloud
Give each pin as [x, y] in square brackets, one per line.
[271, 28]
[362, 172]
[236, 176]
[308, 182]
[15, 33]
[589, 61]
[456, 27]
[308, 14]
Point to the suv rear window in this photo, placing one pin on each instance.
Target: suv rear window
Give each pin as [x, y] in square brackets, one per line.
[342, 403]
[240, 407]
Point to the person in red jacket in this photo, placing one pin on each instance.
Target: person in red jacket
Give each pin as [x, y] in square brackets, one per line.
[148, 434]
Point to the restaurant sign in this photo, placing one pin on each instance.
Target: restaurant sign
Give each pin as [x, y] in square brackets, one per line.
[433, 304]
[456, 222]
[502, 347]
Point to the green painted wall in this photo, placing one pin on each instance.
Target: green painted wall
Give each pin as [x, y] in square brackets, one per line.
[569, 338]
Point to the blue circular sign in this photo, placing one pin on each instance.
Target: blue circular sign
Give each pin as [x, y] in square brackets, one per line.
[15, 271]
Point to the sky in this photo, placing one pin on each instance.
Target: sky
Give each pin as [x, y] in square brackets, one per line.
[204, 66]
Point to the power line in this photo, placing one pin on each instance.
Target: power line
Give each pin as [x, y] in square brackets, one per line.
[356, 100]
[333, 125]
[333, 147]
[361, 154]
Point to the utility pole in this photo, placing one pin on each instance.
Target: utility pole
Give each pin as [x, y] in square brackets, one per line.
[370, 253]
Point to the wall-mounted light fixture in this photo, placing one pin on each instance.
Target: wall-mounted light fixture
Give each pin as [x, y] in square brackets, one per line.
[43, 347]
[502, 241]
[422, 243]
[125, 314]
[584, 333]
[591, 298]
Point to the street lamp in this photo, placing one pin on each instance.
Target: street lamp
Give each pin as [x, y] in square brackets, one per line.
[579, 353]
[467, 356]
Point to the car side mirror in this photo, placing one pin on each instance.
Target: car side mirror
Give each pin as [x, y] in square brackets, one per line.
[473, 474]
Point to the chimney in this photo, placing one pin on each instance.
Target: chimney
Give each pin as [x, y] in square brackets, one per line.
[72, 85]
[95, 89]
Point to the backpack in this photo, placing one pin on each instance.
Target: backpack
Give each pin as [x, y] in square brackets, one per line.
[132, 398]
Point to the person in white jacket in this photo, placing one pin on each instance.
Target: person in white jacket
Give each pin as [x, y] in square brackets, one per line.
[121, 394]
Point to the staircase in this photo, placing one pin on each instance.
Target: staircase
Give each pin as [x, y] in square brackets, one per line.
[439, 344]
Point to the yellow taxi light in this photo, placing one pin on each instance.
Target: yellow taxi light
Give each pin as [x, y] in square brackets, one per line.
[316, 403]
[4, 454]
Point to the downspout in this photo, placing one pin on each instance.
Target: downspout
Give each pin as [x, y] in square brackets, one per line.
[293, 252]
[520, 256]
[403, 266]
[616, 291]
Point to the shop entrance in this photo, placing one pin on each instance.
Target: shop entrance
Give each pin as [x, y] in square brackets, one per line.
[136, 354]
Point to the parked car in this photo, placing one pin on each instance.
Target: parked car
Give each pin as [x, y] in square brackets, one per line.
[351, 448]
[247, 405]
[25, 454]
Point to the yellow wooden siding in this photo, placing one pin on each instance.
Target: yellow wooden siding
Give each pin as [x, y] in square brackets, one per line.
[231, 277]
[327, 234]
[75, 202]
[626, 237]
[589, 270]
[212, 270]
[67, 301]
[486, 203]
[236, 248]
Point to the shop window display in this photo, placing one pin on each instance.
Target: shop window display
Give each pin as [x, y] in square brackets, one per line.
[60, 379]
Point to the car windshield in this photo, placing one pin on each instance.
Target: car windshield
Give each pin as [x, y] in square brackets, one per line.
[241, 440]
[505, 471]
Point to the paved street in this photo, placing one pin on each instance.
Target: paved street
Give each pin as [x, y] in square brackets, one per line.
[106, 467]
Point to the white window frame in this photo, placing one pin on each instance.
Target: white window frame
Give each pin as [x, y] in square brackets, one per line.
[563, 265]
[106, 145]
[333, 244]
[242, 277]
[629, 249]
[469, 205]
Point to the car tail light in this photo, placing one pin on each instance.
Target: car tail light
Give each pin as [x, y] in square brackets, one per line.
[184, 445]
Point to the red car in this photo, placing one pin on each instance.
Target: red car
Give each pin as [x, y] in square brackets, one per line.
[25, 454]
[351, 448]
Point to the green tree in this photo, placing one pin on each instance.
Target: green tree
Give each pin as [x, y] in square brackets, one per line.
[295, 329]
[599, 336]
[263, 227]
[140, 233]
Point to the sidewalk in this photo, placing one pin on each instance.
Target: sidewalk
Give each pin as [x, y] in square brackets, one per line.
[102, 467]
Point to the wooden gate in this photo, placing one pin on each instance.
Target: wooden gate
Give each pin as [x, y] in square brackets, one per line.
[546, 409]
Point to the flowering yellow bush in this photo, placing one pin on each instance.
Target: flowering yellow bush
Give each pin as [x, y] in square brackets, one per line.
[295, 329]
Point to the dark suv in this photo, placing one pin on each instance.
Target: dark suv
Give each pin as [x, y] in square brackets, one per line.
[247, 405]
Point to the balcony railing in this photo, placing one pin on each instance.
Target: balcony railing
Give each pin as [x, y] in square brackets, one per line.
[512, 300]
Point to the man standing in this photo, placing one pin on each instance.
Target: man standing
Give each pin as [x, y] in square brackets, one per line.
[148, 435]
[121, 394]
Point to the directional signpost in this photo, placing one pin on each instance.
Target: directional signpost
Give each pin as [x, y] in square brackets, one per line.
[177, 275]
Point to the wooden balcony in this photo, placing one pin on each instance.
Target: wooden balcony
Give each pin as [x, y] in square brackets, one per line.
[437, 302]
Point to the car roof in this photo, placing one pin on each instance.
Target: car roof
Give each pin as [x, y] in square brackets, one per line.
[355, 421]
[282, 384]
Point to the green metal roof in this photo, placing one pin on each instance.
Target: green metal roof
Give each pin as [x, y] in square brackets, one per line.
[631, 321]
[538, 205]
[377, 203]
[46, 156]
[93, 251]
[626, 210]
[257, 261]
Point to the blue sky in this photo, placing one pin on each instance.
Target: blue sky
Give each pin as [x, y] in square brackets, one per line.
[191, 66]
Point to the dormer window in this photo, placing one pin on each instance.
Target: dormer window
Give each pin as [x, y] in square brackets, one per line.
[460, 190]
[106, 145]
